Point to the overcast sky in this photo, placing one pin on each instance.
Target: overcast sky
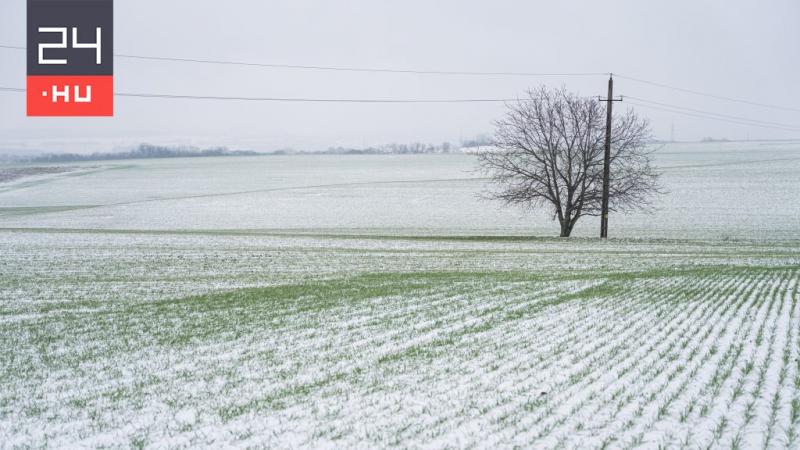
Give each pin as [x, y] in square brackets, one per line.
[742, 49]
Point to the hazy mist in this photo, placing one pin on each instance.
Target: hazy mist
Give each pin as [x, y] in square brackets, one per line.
[732, 48]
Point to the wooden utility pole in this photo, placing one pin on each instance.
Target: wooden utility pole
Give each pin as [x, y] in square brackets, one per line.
[607, 157]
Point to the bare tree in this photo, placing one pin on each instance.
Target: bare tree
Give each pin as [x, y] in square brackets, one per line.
[548, 152]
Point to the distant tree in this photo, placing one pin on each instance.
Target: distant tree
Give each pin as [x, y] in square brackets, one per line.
[479, 141]
[548, 152]
[141, 151]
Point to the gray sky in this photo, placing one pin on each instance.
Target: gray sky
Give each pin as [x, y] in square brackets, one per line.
[742, 49]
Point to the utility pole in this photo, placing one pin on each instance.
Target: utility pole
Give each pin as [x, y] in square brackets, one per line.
[672, 132]
[607, 156]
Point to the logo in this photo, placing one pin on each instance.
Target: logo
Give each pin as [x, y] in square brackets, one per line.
[70, 58]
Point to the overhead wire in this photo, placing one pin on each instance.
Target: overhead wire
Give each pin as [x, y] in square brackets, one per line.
[343, 68]
[294, 99]
[707, 94]
[636, 101]
[724, 116]
[702, 116]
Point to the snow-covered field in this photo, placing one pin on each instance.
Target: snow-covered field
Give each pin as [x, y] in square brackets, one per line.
[375, 301]
[717, 191]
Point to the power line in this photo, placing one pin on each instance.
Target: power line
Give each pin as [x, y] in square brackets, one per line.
[649, 104]
[703, 116]
[295, 99]
[725, 116]
[706, 94]
[438, 72]
[344, 69]
[316, 100]
[644, 103]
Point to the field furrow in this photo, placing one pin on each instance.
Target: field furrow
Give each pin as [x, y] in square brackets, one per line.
[209, 340]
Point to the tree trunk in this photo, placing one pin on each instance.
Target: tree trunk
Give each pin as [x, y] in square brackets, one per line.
[566, 228]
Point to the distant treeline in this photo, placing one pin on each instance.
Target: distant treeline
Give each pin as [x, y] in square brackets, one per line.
[415, 148]
[142, 151]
